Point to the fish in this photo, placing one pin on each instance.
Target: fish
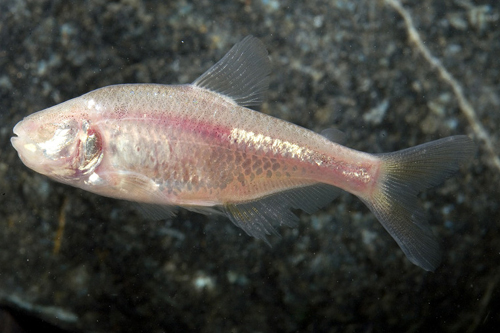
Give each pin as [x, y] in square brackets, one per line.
[202, 147]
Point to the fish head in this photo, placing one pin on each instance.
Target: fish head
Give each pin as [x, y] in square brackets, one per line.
[58, 142]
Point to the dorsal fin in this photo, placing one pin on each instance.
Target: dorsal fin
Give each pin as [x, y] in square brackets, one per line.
[242, 74]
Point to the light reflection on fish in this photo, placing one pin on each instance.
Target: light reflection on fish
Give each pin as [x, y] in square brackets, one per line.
[198, 146]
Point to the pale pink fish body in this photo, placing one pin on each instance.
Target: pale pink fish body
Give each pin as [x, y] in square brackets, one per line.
[197, 146]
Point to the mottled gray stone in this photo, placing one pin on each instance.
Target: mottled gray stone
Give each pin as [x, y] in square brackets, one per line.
[334, 62]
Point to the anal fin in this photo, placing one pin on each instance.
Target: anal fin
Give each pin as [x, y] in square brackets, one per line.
[257, 217]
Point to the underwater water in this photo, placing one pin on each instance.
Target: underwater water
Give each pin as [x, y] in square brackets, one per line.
[76, 261]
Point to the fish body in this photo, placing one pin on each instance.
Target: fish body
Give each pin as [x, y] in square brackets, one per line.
[198, 146]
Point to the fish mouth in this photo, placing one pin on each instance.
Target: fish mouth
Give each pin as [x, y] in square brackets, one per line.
[17, 130]
[23, 143]
[19, 138]
[15, 140]
[27, 149]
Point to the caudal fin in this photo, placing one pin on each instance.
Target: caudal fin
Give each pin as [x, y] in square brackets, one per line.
[403, 175]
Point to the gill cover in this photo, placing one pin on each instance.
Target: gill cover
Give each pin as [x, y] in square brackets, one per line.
[90, 149]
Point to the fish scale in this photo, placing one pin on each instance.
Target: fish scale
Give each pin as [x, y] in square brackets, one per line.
[167, 132]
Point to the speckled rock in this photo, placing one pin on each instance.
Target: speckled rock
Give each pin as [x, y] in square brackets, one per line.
[86, 263]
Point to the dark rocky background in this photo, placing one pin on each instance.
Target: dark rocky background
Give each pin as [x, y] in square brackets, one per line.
[74, 261]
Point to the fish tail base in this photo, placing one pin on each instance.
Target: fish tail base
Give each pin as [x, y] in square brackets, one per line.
[405, 173]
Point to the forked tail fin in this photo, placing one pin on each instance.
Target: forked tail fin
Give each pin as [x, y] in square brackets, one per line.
[403, 175]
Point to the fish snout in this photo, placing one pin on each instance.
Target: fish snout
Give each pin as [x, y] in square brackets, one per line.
[21, 141]
[45, 146]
